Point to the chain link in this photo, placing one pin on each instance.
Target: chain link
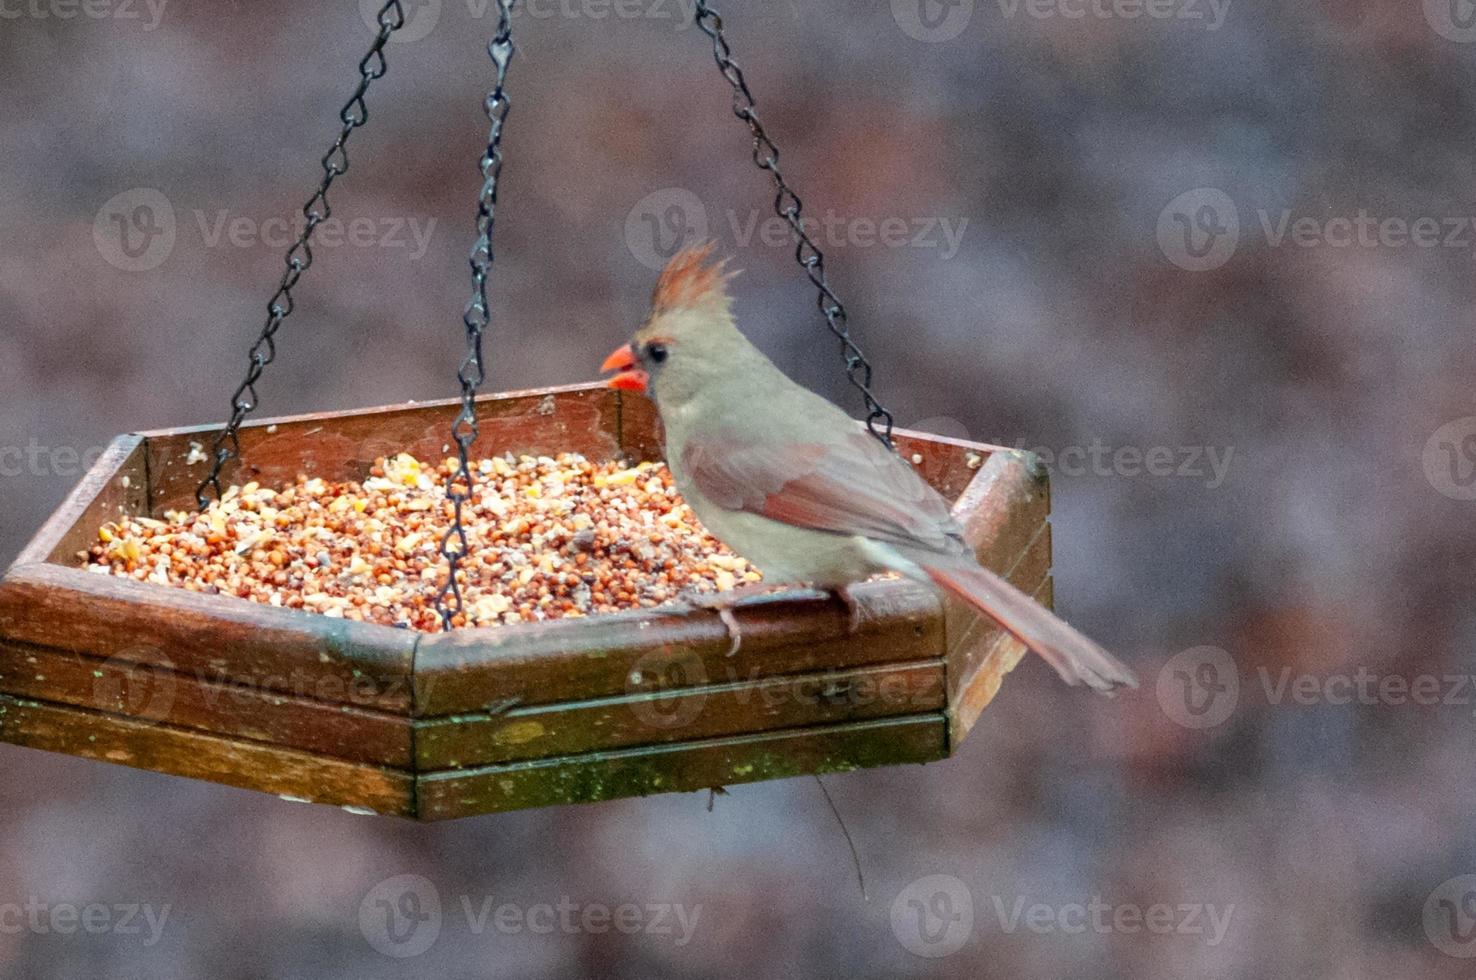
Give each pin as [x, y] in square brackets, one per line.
[355, 113]
[788, 206]
[454, 546]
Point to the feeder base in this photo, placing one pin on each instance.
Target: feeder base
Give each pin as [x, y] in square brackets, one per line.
[381, 720]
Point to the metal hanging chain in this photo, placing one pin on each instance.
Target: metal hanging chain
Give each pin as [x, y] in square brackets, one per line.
[454, 546]
[788, 206]
[354, 114]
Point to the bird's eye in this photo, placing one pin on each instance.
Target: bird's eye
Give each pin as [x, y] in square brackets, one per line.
[657, 353]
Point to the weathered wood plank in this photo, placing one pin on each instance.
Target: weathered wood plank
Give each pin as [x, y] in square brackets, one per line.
[949, 465]
[1001, 509]
[682, 767]
[979, 687]
[971, 636]
[343, 445]
[642, 437]
[577, 659]
[255, 645]
[1005, 513]
[117, 485]
[734, 707]
[201, 701]
[248, 765]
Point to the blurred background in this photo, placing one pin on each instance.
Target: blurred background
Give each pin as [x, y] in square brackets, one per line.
[1231, 234]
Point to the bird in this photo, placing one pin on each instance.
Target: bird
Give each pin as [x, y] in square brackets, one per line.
[790, 482]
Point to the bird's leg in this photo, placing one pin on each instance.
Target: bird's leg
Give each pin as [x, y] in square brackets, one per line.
[722, 603]
[854, 607]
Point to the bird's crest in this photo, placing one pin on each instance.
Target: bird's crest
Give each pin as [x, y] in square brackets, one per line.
[692, 280]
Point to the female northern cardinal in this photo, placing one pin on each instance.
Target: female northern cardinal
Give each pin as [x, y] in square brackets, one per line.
[793, 484]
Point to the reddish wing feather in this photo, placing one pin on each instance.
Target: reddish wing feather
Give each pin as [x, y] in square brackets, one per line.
[853, 486]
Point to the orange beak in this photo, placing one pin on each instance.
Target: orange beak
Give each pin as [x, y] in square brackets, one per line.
[631, 377]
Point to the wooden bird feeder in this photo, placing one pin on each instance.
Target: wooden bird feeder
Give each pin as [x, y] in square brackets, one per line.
[433, 727]
[478, 721]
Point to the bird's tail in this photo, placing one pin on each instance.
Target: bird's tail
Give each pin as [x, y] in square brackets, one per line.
[1077, 659]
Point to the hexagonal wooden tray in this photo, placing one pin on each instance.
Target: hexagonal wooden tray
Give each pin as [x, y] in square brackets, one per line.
[480, 721]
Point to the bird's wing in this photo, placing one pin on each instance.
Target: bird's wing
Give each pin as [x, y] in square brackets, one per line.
[849, 485]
